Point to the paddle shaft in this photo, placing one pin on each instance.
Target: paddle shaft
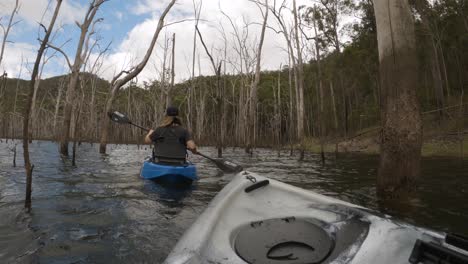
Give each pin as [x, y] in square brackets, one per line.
[145, 129]
[206, 157]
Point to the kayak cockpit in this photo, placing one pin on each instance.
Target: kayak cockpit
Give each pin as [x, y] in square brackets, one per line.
[297, 240]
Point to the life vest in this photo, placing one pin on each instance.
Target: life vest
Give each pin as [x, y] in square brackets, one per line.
[170, 144]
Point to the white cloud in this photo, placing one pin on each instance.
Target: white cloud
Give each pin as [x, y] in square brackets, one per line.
[32, 12]
[240, 11]
[16, 56]
[132, 49]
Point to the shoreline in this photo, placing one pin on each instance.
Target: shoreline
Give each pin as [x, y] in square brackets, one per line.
[448, 146]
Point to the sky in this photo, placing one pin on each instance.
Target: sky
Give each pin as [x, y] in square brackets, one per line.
[128, 27]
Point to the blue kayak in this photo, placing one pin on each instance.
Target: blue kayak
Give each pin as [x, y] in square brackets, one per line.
[168, 173]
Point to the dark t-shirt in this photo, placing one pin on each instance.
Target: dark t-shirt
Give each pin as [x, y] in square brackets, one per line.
[170, 142]
[178, 131]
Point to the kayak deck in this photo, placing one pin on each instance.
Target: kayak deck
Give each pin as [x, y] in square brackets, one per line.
[273, 222]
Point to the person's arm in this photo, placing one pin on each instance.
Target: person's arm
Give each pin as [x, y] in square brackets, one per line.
[191, 146]
[190, 143]
[148, 137]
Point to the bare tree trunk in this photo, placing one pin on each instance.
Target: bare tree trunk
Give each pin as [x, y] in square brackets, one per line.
[223, 94]
[27, 162]
[332, 92]
[322, 123]
[168, 98]
[401, 120]
[278, 115]
[447, 84]
[320, 88]
[75, 134]
[437, 78]
[197, 11]
[17, 85]
[165, 69]
[14, 155]
[291, 105]
[118, 82]
[57, 104]
[218, 99]
[461, 128]
[254, 87]
[300, 85]
[92, 108]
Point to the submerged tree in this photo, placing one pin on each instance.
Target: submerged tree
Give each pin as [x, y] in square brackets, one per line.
[256, 81]
[82, 51]
[300, 83]
[27, 161]
[401, 136]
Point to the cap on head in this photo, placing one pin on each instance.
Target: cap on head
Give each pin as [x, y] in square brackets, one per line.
[172, 111]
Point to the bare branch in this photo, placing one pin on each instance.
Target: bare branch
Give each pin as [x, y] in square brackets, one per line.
[61, 51]
[101, 53]
[206, 50]
[43, 27]
[184, 20]
[8, 28]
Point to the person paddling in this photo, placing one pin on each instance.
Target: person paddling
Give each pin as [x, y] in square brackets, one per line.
[171, 140]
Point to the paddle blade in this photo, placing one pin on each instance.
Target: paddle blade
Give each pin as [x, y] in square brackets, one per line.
[118, 117]
[228, 166]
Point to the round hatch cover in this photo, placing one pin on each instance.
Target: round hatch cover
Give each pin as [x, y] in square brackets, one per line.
[283, 241]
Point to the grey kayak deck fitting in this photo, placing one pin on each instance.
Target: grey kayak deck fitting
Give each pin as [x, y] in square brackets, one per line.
[263, 221]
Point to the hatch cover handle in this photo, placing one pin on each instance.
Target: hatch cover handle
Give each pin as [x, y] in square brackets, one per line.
[257, 185]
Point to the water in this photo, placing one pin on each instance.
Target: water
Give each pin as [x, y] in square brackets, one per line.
[102, 212]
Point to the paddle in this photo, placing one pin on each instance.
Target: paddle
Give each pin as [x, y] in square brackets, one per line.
[224, 165]
[123, 119]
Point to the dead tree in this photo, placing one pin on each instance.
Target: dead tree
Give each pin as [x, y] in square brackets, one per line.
[81, 54]
[119, 80]
[401, 136]
[197, 11]
[292, 70]
[14, 154]
[320, 88]
[171, 87]
[241, 49]
[27, 162]
[57, 103]
[300, 84]
[218, 99]
[256, 81]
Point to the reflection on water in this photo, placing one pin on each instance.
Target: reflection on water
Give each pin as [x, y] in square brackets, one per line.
[102, 212]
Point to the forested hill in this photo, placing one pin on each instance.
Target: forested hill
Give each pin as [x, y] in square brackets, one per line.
[341, 92]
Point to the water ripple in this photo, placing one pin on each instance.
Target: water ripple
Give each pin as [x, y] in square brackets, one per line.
[101, 212]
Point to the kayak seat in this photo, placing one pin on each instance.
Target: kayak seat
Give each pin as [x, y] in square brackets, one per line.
[296, 240]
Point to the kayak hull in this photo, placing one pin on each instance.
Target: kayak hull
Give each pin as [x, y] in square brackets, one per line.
[168, 174]
[273, 222]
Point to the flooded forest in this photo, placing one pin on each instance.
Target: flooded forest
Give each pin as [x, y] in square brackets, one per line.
[343, 118]
[348, 82]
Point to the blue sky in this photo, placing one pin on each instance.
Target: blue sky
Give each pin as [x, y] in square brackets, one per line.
[130, 26]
